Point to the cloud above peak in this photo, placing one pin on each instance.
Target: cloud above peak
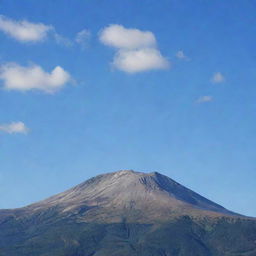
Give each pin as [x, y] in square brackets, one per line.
[136, 50]
[24, 31]
[33, 77]
[129, 38]
[14, 127]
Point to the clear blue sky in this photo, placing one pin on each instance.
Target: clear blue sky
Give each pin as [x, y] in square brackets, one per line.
[191, 117]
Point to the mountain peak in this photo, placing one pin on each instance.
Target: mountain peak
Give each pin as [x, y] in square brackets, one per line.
[128, 193]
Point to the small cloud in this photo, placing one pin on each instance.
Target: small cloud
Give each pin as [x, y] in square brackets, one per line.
[129, 38]
[218, 78]
[14, 127]
[204, 99]
[133, 61]
[16, 77]
[136, 50]
[23, 30]
[180, 55]
[83, 37]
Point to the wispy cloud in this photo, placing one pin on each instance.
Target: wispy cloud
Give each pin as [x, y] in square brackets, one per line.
[83, 37]
[204, 99]
[14, 127]
[61, 39]
[136, 50]
[33, 77]
[217, 78]
[181, 55]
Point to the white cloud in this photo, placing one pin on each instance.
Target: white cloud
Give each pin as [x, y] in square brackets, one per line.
[133, 61]
[16, 77]
[204, 99]
[136, 50]
[218, 78]
[130, 38]
[181, 55]
[83, 37]
[23, 30]
[15, 127]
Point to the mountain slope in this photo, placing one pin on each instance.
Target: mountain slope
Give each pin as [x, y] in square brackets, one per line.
[126, 213]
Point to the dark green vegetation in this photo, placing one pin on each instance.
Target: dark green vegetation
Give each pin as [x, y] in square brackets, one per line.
[183, 236]
[45, 229]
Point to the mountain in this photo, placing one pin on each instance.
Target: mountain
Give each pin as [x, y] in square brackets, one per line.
[126, 213]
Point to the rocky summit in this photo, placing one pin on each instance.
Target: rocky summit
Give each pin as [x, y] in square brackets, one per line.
[126, 213]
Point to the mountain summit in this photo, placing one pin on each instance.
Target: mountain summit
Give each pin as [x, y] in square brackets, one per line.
[132, 195]
[126, 213]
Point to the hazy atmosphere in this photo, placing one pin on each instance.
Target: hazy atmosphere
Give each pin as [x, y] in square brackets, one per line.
[91, 87]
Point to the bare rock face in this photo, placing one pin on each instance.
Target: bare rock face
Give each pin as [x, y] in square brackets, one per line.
[135, 196]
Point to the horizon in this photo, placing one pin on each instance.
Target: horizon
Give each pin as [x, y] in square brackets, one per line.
[85, 89]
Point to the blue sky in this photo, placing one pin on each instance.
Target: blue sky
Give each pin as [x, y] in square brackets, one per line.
[104, 85]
